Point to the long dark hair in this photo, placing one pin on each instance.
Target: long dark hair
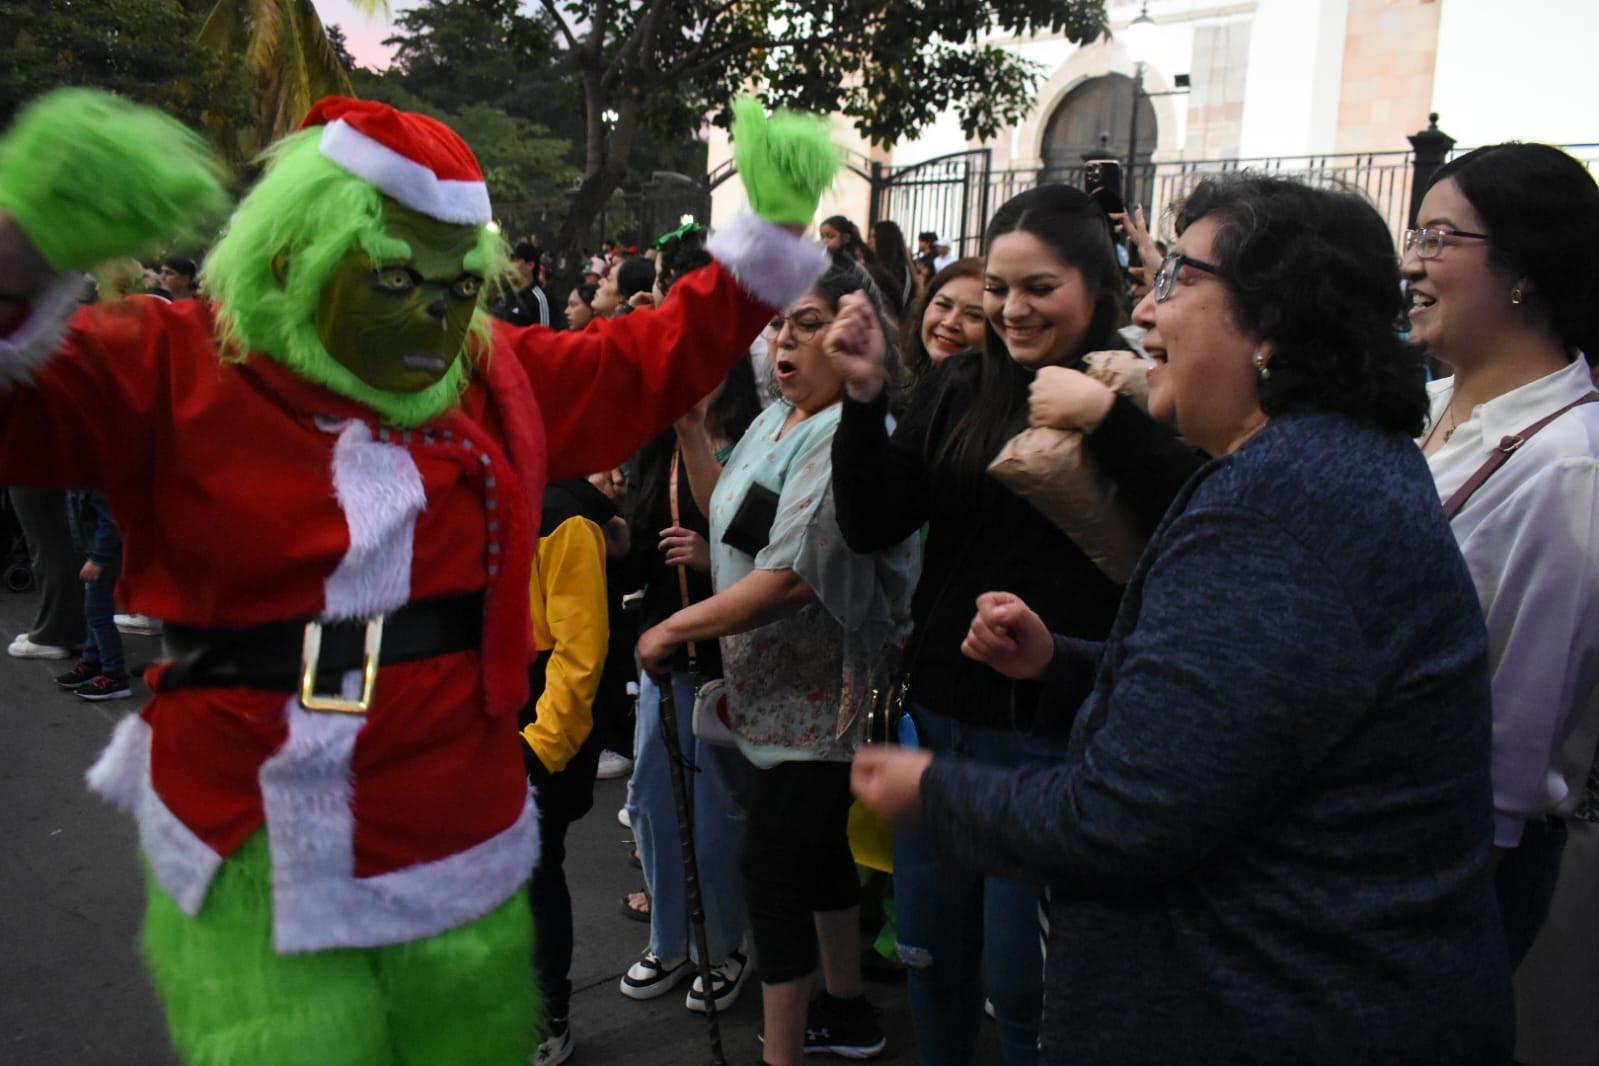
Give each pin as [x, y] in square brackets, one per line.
[895, 257]
[854, 246]
[1541, 210]
[728, 417]
[1077, 230]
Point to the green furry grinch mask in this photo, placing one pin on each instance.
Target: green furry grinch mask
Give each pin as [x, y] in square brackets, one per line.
[321, 271]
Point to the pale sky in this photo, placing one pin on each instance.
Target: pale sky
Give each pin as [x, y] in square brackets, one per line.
[364, 32]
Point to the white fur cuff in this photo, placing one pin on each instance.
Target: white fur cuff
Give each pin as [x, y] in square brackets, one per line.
[770, 263]
[27, 347]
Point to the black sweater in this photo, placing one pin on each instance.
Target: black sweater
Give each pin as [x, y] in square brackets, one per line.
[886, 488]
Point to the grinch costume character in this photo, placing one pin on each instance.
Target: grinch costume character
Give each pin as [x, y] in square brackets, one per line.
[329, 482]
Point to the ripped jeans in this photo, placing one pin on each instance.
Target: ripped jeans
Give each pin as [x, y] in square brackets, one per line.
[962, 934]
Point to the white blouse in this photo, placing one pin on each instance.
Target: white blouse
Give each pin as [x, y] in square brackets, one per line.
[1528, 535]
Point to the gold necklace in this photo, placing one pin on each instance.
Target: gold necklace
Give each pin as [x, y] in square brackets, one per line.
[1450, 431]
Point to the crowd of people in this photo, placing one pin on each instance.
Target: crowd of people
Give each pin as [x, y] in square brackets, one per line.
[1236, 704]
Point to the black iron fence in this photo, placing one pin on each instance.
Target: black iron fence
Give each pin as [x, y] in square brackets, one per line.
[955, 195]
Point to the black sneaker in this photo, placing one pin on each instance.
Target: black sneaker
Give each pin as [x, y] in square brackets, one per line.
[78, 676]
[105, 687]
[844, 1027]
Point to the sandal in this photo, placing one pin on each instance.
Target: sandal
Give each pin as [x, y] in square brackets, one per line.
[638, 914]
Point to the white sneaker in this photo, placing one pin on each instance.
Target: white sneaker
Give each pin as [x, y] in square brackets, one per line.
[613, 765]
[623, 819]
[726, 980]
[23, 648]
[653, 976]
[557, 1047]
[139, 625]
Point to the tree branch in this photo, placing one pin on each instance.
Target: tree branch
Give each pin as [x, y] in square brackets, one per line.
[560, 23]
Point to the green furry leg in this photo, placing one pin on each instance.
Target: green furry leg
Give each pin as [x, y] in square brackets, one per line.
[466, 996]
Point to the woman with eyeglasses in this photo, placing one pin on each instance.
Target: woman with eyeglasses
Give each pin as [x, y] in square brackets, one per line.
[1505, 292]
[802, 620]
[1051, 294]
[1270, 839]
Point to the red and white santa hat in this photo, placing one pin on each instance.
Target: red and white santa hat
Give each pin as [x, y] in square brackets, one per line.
[417, 160]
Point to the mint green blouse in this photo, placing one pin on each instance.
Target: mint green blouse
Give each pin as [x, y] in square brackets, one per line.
[797, 687]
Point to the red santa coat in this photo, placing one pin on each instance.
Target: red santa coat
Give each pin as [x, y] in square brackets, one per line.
[247, 495]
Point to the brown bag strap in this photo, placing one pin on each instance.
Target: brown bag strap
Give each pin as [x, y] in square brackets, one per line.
[682, 571]
[1501, 455]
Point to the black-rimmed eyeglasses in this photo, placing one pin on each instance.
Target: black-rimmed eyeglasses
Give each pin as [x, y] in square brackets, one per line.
[1166, 277]
[1429, 243]
[803, 327]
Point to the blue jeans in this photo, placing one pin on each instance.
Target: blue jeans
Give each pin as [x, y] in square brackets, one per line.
[104, 643]
[960, 932]
[719, 795]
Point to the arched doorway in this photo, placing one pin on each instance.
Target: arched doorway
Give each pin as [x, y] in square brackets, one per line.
[1093, 122]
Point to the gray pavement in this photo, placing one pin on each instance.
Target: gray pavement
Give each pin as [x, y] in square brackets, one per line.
[74, 993]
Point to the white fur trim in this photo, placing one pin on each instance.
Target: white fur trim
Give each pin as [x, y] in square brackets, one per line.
[380, 490]
[181, 862]
[406, 180]
[318, 902]
[770, 263]
[26, 348]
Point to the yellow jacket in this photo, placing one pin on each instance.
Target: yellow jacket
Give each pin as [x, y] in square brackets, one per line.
[570, 619]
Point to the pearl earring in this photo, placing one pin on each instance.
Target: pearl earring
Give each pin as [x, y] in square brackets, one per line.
[1261, 367]
[1515, 296]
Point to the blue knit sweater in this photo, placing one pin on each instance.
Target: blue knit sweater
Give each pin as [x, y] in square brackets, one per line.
[1270, 839]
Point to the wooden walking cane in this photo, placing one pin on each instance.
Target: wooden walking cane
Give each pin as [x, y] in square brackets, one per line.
[691, 868]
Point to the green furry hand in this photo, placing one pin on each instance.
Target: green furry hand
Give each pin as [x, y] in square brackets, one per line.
[786, 161]
[89, 176]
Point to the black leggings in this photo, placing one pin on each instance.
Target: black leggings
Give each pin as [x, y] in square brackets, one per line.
[797, 861]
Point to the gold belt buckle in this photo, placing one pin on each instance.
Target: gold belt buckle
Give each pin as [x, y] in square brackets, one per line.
[312, 651]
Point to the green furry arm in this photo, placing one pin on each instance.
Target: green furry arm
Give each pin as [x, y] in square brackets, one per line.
[786, 161]
[89, 176]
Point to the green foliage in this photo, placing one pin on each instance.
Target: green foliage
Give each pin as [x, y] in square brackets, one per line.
[287, 58]
[141, 49]
[520, 161]
[891, 66]
[458, 52]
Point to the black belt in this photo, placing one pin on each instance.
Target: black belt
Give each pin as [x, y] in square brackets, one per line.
[269, 656]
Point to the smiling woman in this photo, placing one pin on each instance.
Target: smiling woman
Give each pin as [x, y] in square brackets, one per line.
[1051, 296]
[1280, 776]
[1506, 293]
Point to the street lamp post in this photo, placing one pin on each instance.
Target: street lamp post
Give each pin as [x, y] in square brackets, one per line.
[1140, 33]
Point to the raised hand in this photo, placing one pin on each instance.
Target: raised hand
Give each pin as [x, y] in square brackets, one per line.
[1068, 399]
[857, 348]
[1009, 636]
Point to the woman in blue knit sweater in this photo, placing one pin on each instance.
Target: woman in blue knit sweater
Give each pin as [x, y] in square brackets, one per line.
[1270, 838]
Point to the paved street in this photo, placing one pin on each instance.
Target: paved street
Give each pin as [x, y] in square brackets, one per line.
[73, 991]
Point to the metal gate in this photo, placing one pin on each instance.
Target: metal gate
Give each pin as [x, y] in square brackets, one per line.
[664, 201]
[947, 195]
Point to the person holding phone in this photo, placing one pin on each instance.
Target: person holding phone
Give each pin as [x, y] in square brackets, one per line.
[802, 621]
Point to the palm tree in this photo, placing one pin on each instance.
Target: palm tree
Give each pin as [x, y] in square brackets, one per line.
[286, 51]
